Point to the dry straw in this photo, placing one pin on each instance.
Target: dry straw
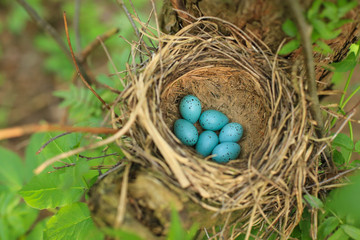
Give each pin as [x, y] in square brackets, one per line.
[231, 71]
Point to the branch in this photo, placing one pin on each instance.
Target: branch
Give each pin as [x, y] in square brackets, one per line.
[96, 42]
[53, 33]
[122, 5]
[28, 129]
[45, 26]
[77, 67]
[305, 33]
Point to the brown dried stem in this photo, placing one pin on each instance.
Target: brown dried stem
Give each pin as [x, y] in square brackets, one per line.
[29, 129]
[77, 67]
[305, 32]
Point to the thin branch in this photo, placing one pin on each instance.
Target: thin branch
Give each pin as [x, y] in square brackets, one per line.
[111, 61]
[121, 209]
[334, 177]
[96, 42]
[122, 5]
[46, 26]
[92, 158]
[51, 140]
[53, 33]
[76, 25]
[28, 129]
[77, 67]
[305, 33]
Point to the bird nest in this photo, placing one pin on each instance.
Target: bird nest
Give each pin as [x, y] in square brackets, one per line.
[233, 72]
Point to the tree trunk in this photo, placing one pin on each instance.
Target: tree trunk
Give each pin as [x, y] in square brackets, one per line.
[149, 198]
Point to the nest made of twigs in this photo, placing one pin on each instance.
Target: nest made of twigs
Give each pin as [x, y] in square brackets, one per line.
[236, 74]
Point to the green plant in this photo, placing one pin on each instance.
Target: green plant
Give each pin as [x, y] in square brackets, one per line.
[326, 18]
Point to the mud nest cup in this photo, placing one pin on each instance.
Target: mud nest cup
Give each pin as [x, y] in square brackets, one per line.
[238, 75]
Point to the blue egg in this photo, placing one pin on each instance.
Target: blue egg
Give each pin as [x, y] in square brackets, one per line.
[190, 108]
[186, 132]
[231, 132]
[213, 120]
[226, 151]
[206, 143]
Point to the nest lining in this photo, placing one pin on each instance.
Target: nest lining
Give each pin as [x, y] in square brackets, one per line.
[234, 75]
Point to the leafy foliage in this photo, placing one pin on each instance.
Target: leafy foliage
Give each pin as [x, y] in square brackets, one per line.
[72, 222]
[326, 18]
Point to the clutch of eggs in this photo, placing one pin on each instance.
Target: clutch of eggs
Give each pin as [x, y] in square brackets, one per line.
[224, 147]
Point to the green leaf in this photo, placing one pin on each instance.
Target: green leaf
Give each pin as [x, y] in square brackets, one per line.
[289, 28]
[313, 201]
[5, 233]
[344, 202]
[357, 146]
[342, 140]
[352, 231]
[339, 23]
[339, 235]
[32, 160]
[38, 231]
[327, 227]
[176, 231]
[72, 222]
[345, 65]
[289, 47]
[355, 48]
[11, 170]
[21, 218]
[47, 191]
[346, 7]
[337, 77]
[81, 102]
[305, 225]
[322, 48]
[121, 234]
[330, 11]
[314, 9]
[323, 29]
[338, 158]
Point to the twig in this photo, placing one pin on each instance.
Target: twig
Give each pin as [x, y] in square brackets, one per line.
[122, 5]
[100, 40]
[92, 158]
[77, 67]
[76, 25]
[50, 140]
[123, 196]
[335, 177]
[28, 129]
[96, 42]
[46, 26]
[305, 33]
[109, 140]
[53, 33]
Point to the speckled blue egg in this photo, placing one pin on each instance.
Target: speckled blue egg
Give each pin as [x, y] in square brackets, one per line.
[206, 143]
[190, 108]
[213, 120]
[226, 151]
[186, 132]
[231, 132]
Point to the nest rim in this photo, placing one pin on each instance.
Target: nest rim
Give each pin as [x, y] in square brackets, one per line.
[267, 172]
